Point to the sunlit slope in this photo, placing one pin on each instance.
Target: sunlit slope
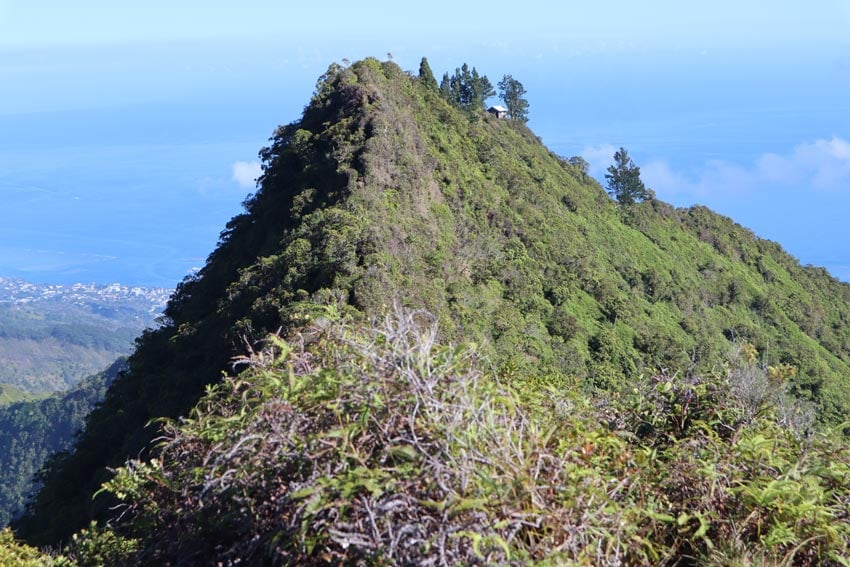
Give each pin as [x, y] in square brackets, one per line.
[384, 193]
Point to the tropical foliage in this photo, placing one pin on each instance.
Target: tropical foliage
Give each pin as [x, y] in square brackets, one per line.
[386, 193]
[15, 554]
[379, 446]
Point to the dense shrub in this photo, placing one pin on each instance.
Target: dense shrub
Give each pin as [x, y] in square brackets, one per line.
[345, 445]
[14, 554]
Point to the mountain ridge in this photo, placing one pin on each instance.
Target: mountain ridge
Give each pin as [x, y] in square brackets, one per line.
[385, 193]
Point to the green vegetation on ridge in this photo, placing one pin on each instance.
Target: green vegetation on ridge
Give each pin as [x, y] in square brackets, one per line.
[346, 445]
[384, 193]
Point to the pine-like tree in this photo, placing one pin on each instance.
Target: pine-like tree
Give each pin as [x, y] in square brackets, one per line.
[446, 87]
[426, 75]
[511, 92]
[482, 89]
[466, 89]
[624, 183]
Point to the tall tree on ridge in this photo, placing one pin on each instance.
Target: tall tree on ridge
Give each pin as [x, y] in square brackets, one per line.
[466, 88]
[426, 75]
[511, 92]
[624, 183]
[446, 87]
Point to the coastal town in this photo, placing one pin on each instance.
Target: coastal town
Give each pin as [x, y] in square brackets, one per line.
[19, 292]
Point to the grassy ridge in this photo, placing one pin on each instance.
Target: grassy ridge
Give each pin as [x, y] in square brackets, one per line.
[384, 193]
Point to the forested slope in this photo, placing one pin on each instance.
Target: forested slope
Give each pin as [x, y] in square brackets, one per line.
[53, 336]
[383, 193]
[31, 431]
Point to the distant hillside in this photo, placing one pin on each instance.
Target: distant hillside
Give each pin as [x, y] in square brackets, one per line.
[384, 193]
[52, 336]
[31, 431]
[11, 394]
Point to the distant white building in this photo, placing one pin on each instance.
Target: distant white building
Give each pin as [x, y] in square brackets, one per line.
[498, 111]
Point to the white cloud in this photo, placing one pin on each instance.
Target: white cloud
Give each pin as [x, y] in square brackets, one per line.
[819, 165]
[663, 180]
[715, 176]
[822, 164]
[245, 173]
[599, 158]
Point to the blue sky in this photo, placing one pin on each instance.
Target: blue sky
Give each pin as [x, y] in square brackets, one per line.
[129, 130]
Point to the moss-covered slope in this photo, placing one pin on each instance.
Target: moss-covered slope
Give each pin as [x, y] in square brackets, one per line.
[384, 193]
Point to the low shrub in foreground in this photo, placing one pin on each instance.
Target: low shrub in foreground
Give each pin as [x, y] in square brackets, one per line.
[379, 446]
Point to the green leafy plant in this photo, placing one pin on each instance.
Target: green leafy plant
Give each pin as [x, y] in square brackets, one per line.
[385, 193]
[377, 445]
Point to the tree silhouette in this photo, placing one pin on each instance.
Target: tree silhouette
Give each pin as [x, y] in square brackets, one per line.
[466, 88]
[511, 92]
[624, 183]
[426, 75]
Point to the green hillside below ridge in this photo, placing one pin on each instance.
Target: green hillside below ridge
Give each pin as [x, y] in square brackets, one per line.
[10, 394]
[50, 345]
[384, 193]
[33, 429]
